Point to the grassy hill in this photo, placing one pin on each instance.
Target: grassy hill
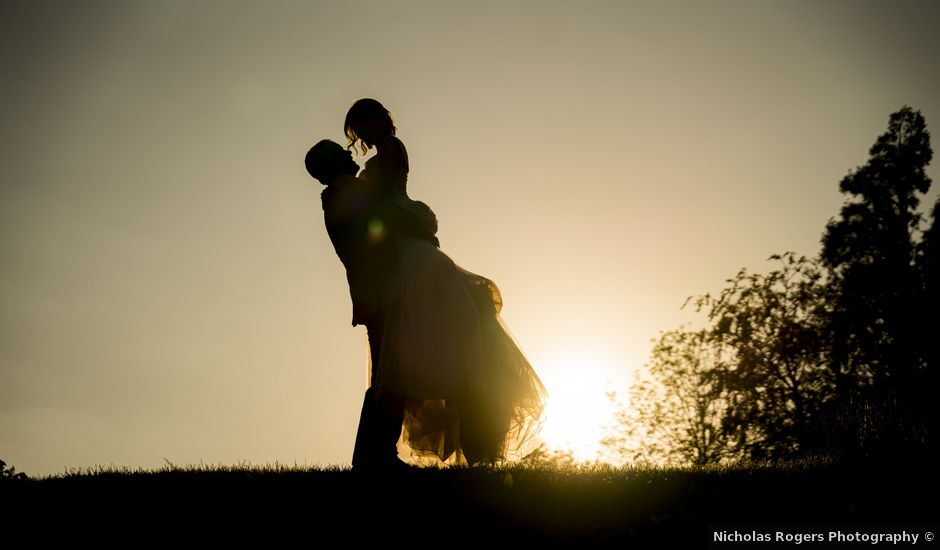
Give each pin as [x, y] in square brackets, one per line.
[536, 505]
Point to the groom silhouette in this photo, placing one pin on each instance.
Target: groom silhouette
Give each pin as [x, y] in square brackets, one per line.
[362, 224]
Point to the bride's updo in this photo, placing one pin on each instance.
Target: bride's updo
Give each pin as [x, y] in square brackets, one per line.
[367, 118]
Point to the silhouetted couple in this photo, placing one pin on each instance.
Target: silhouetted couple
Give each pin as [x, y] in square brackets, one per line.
[445, 374]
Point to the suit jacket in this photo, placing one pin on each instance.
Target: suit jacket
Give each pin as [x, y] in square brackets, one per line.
[362, 224]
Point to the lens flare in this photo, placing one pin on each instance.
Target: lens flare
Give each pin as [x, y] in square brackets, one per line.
[376, 230]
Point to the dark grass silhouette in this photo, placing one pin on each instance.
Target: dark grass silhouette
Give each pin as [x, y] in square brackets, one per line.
[536, 504]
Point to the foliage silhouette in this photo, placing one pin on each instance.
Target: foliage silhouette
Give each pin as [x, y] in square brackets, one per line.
[769, 330]
[929, 271]
[10, 473]
[878, 347]
[677, 414]
[833, 356]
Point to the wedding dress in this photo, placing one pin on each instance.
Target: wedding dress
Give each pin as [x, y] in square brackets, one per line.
[470, 394]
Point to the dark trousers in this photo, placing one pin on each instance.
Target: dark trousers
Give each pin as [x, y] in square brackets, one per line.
[381, 418]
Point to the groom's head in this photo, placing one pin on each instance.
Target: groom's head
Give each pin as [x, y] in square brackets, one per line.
[328, 160]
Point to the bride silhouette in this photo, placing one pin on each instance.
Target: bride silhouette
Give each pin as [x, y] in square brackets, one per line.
[446, 375]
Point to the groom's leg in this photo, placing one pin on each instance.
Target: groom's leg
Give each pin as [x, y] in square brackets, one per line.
[379, 430]
[381, 419]
[365, 450]
[390, 407]
[363, 453]
[390, 414]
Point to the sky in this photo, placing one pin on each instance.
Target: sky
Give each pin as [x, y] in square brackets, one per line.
[168, 292]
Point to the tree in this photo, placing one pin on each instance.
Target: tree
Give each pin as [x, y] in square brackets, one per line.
[772, 365]
[674, 414]
[752, 384]
[928, 268]
[870, 252]
[832, 356]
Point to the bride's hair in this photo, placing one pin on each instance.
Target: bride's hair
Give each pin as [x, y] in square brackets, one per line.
[367, 115]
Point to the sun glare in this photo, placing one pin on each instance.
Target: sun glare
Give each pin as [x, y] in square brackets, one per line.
[578, 409]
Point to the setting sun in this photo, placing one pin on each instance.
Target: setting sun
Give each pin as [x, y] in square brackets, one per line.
[578, 410]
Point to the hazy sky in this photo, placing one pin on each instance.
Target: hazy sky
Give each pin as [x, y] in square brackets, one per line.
[167, 287]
